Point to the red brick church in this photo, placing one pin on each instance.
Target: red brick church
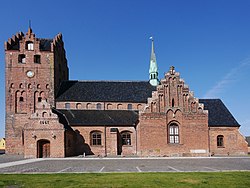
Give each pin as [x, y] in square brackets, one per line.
[48, 115]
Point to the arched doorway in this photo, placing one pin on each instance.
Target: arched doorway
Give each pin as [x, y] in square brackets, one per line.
[43, 148]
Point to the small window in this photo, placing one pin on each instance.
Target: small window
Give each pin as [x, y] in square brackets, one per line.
[96, 138]
[173, 134]
[21, 58]
[21, 99]
[37, 59]
[98, 106]
[172, 102]
[29, 45]
[126, 138]
[39, 99]
[78, 106]
[129, 106]
[220, 141]
[67, 105]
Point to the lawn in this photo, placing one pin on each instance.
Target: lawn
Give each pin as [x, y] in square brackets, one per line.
[190, 179]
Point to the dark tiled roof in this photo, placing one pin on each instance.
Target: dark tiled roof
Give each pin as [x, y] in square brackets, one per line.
[101, 117]
[45, 44]
[218, 114]
[248, 140]
[105, 91]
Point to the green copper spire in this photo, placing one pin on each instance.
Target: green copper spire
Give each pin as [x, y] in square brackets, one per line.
[153, 70]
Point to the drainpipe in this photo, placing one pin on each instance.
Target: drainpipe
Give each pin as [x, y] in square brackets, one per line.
[209, 141]
[105, 140]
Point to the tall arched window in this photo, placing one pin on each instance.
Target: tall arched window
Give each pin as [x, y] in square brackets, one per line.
[174, 134]
[220, 141]
[96, 138]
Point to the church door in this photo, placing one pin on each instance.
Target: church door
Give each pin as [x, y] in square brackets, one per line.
[43, 147]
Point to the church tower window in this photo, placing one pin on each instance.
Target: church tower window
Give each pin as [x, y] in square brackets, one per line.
[21, 58]
[29, 45]
[37, 59]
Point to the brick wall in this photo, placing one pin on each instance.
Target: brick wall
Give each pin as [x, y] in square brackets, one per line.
[233, 142]
[110, 143]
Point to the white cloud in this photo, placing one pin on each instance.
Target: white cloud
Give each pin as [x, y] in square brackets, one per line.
[228, 79]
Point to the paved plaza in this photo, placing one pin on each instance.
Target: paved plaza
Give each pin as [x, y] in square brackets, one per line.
[102, 165]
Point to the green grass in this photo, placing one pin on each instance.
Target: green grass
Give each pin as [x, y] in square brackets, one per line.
[190, 179]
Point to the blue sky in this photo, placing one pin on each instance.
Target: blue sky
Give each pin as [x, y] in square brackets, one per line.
[208, 42]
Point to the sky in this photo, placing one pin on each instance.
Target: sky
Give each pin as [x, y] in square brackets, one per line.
[207, 41]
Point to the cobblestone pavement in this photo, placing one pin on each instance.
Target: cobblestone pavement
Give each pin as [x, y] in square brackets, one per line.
[98, 165]
[9, 158]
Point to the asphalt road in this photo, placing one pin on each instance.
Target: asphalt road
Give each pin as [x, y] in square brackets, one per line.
[99, 165]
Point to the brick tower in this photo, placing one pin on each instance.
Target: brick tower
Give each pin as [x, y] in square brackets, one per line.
[34, 69]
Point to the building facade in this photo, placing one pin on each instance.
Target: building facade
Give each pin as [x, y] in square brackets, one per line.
[48, 115]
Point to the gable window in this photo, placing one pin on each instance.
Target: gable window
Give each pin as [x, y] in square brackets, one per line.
[21, 58]
[96, 138]
[173, 134]
[29, 45]
[37, 59]
[220, 141]
[67, 105]
[126, 138]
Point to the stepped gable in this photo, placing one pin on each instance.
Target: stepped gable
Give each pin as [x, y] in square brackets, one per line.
[101, 117]
[44, 44]
[218, 114]
[105, 91]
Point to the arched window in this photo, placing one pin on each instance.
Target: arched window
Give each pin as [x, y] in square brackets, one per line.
[78, 105]
[220, 141]
[139, 107]
[44, 114]
[98, 106]
[109, 106]
[119, 106]
[88, 106]
[174, 134]
[96, 138]
[126, 138]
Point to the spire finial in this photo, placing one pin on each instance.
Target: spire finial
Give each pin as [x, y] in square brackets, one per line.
[29, 23]
[29, 29]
